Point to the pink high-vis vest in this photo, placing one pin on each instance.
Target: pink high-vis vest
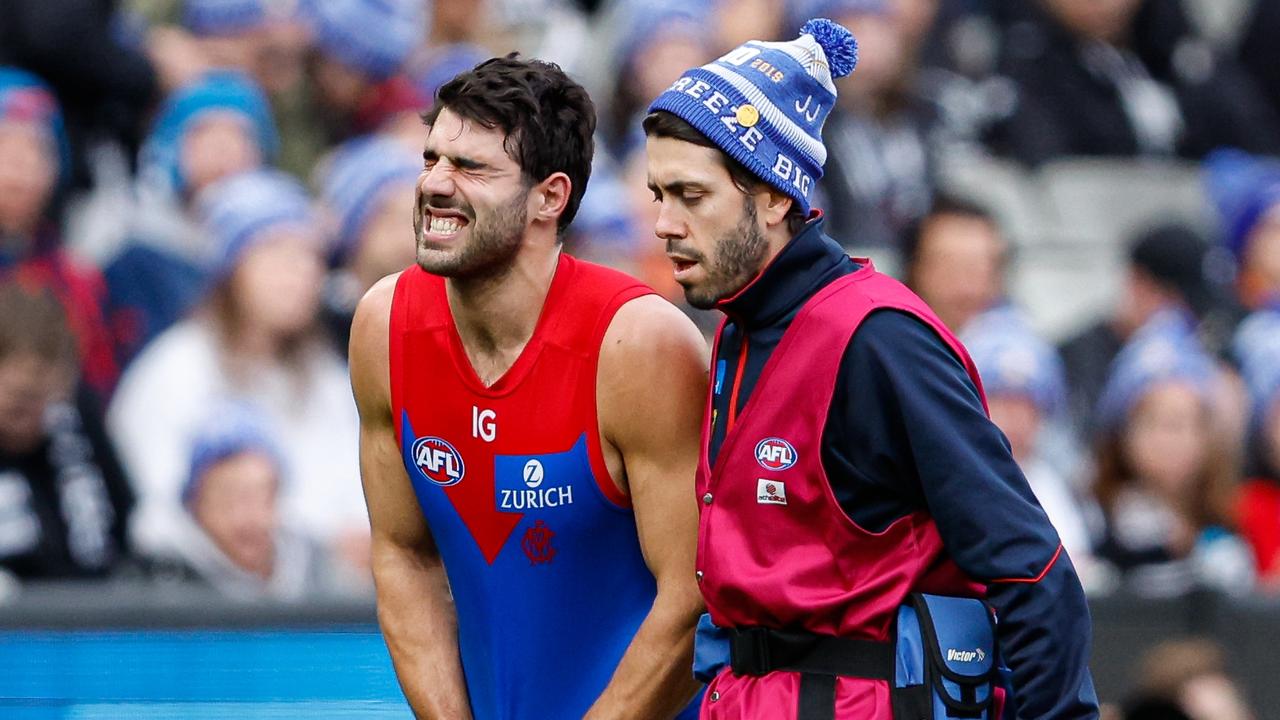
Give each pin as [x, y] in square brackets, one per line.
[775, 549]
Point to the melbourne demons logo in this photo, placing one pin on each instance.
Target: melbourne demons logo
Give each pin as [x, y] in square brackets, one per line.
[775, 454]
[439, 461]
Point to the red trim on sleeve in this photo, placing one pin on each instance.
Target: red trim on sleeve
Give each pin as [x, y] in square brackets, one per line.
[1037, 578]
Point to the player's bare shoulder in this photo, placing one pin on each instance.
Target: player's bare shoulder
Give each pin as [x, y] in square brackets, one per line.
[653, 362]
[650, 330]
[369, 350]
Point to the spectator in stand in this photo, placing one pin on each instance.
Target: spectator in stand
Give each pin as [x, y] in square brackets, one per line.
[104, 84]
[256, 337]
[261, 38]
[267, 41]
[458, 21]
[734, 22]
[956, 233]
[1124, 78]
[234, 538]
[1023, 381]
[1169, 267]
[660, 41]
[361, 47]
[216, 127]
[34, 163]
[1258, 350]
[368, 190]
[1246, 190]
[1166, 481]
[1188, 679]
[438, 65]
[63, 500]
[880, 135]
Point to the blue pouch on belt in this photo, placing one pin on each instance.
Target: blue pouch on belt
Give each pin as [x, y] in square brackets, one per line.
[946, 661]
[710, 650]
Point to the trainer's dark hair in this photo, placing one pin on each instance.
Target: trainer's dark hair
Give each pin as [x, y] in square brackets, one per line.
[548, 118]
[662, 124]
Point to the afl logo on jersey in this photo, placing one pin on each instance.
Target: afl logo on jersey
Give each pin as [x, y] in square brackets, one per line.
[439, 461]
[775, 454]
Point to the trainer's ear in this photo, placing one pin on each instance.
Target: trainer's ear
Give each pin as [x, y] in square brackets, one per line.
[776, 208]
[550, 197]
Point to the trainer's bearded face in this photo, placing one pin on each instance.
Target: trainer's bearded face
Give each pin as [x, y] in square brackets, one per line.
[710, 225]
[472, 201]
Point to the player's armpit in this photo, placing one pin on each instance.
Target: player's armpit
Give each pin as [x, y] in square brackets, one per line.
[414, 607]
[652, 386]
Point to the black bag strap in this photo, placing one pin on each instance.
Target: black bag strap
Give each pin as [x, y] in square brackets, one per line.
[759, 651]
[820, 659]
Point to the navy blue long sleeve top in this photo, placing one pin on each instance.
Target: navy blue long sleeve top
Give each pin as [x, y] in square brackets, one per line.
[907, 431]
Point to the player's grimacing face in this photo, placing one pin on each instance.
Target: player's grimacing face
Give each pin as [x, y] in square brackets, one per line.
[712, 232]
[471, 207]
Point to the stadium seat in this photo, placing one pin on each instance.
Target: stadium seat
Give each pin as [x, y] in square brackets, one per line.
[1107, 201]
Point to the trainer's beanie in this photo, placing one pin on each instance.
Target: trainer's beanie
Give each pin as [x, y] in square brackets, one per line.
[764, 103]
[1013, 361]
[372, 37]
[355, 181]
[238, 211]
[1164, 350]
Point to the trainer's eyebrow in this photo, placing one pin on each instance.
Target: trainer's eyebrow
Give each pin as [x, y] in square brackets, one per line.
[677, 187]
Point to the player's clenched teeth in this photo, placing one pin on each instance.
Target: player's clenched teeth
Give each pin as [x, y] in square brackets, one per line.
[445, 225]
[441, 226]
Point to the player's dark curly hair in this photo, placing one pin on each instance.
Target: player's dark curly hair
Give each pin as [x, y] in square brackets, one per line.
[549, 119]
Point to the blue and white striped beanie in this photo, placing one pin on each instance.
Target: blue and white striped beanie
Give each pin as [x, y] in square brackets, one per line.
[231, 429]
[223, 17]
[764, 103]
[26, 98]
[360, 171]
[1013, 360]
[216, 91]
[237, 211]
[1165, 349]
[372, 37]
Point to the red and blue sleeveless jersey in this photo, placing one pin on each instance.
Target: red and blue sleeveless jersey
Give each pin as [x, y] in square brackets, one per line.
[538, 543]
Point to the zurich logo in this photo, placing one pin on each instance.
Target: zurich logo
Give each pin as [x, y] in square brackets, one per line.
[775, 454]
[439, 461]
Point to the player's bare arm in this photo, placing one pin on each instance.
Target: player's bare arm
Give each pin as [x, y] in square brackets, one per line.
[652, 386]
[414, 606]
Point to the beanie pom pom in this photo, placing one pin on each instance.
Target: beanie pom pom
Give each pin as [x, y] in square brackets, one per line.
[837, 43]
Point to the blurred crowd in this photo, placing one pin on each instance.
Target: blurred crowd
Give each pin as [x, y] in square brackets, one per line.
[195, 193]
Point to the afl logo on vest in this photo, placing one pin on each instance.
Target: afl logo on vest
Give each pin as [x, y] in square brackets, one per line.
[775, 454]
[439, 461]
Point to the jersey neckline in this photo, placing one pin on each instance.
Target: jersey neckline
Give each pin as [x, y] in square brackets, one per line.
[510, 380]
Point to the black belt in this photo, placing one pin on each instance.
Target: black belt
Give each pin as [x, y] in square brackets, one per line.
[819, 659]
